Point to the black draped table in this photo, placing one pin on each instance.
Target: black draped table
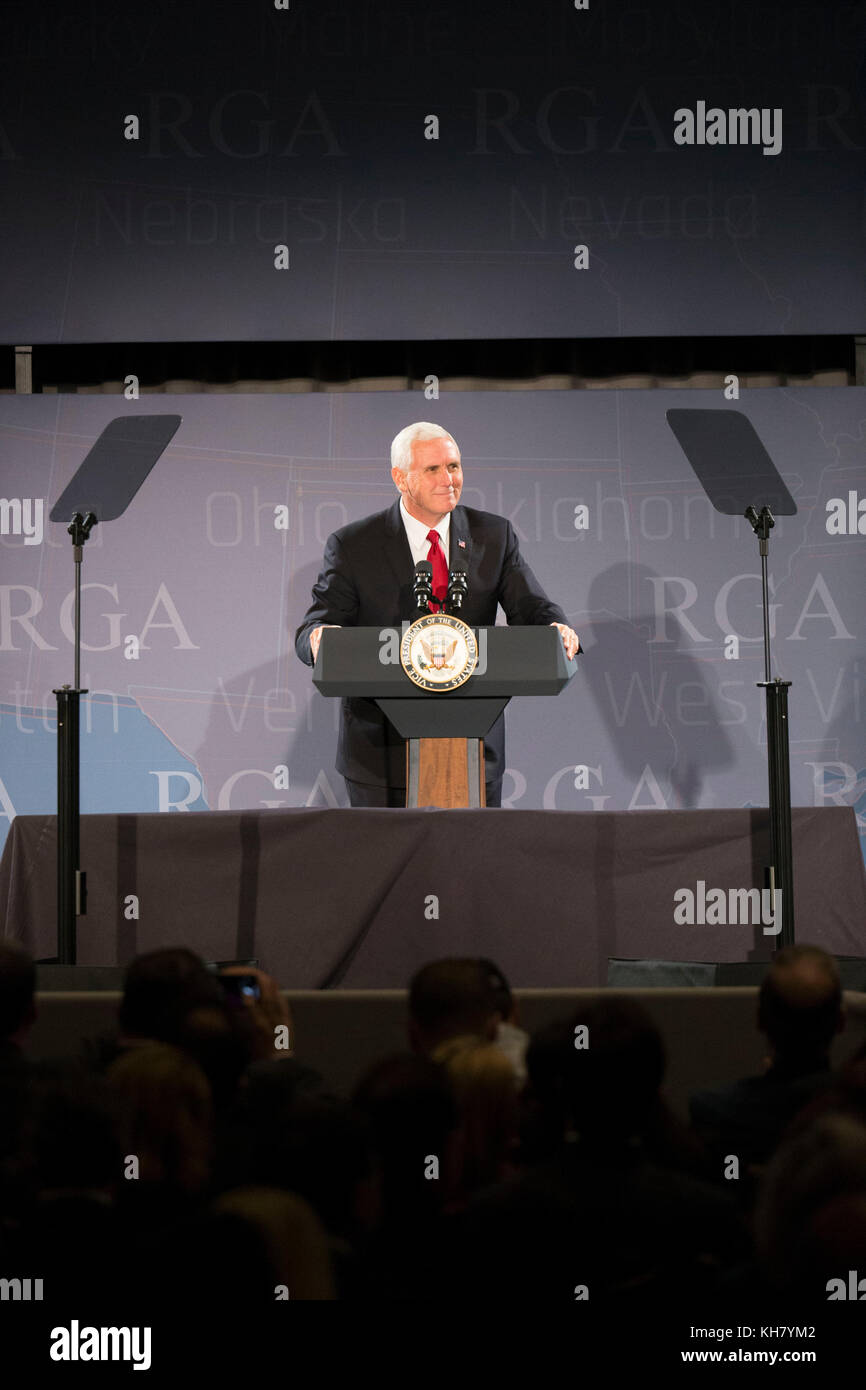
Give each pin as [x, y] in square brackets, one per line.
[361, 898]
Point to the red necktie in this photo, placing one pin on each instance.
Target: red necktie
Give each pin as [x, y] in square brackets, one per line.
[436, 556]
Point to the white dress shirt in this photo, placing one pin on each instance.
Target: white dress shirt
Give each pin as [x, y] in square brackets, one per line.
[416, 533]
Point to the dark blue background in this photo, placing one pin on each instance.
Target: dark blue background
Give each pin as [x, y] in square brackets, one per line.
[306, 127]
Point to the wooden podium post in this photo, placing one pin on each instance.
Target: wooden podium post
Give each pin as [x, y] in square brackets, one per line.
[445, 772]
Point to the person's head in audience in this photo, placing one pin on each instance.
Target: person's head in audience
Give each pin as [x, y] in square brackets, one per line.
[450, 999]
[847, 1093]
[315, 1145]
[69, 1172]
[211, 1038]
[486, 1090]
[614, 1073]
[504, 1002]
[70, 1147]
[328, 1161]
[510, 1038]
[810, 1218]
[161, 989]
[17, 990]
[800, 1006]
[545, 1100]
[411, 1111]
[164, 1112]
[278, 1242]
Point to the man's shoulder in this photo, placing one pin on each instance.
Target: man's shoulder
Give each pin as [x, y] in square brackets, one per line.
[483, 522]
[366, 527]
[749, 1096]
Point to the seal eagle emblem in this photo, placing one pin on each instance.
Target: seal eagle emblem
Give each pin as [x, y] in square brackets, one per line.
[439, 652]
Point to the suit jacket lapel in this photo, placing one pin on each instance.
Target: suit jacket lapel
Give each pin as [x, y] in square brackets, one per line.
[396, 546]
[460, 542]
[477, 610]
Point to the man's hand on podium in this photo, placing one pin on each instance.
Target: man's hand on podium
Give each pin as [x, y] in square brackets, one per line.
[316, 637]
[570, 639]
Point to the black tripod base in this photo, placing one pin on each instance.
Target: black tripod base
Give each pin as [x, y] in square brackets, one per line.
[690, 974]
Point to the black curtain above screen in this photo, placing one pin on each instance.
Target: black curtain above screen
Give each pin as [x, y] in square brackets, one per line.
[828, 360]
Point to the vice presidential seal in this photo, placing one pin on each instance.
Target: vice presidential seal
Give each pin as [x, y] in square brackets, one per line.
[439, 652]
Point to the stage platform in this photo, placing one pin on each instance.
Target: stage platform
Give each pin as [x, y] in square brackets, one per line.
[710, 1035]
[361, 898]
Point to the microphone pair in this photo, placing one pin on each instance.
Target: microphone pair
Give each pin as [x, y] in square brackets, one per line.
[458, 586]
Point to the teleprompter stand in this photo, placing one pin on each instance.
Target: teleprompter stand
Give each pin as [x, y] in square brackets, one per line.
[740, 479]
[101, 490]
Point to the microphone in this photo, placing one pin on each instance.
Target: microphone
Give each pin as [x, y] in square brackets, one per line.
[458, 588]
[423, 584]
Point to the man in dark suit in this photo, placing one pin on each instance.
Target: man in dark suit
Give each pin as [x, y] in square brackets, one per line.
[366, 581]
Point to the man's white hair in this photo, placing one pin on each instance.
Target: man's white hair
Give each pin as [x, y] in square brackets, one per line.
[401, 444]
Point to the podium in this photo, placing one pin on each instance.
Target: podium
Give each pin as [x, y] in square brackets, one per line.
[444, 730]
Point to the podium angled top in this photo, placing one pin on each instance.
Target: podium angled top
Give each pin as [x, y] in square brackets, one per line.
[511, 661]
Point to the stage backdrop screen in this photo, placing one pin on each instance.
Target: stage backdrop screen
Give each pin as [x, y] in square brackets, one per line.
[191, 599]
[338, 170]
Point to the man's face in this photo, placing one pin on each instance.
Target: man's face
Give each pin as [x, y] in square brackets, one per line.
[432, 485]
